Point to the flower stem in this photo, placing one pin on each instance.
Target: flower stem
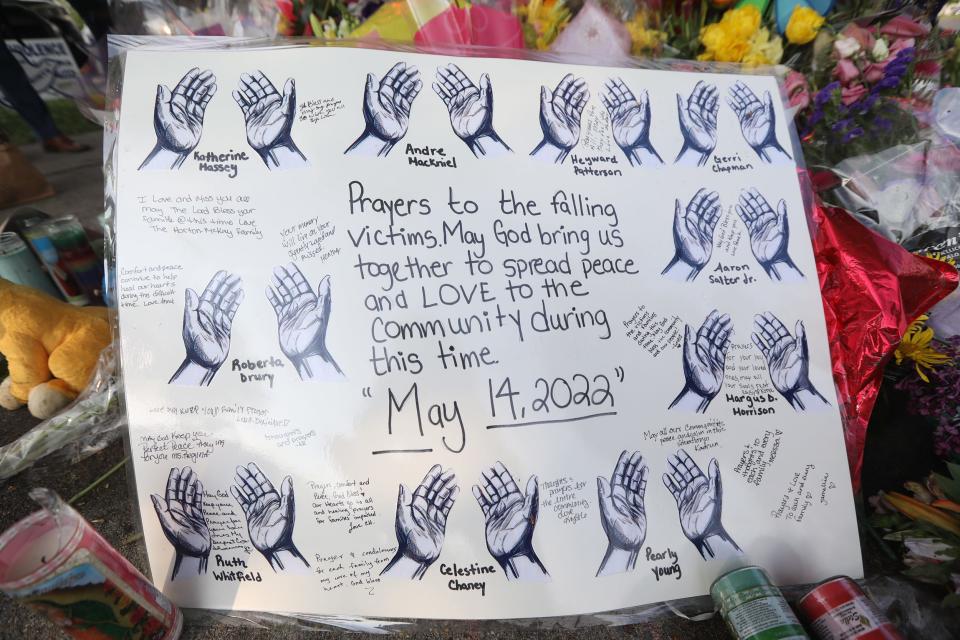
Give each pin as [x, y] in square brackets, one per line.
[98, 481]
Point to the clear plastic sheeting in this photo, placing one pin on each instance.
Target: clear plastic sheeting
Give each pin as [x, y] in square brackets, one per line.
[693, 608]
[243, 18]
[86, 426]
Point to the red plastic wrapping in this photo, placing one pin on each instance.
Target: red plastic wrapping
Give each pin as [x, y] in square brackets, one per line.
[872, 290]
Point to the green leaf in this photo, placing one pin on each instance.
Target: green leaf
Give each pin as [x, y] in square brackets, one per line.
[952, 600]
[885, 520]
[900, 536]
[949, 486]
[954, 470]
[938, 573]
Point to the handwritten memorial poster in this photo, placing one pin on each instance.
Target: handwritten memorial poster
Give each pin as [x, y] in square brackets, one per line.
[422, 336]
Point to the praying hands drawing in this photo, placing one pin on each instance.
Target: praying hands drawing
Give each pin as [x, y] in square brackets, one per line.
[302, 320]
[769, 233]
[421, 523]
[630, 120]
[698, 124]
[178, 119]
[699, 502]
[757, 122]
[269, 119]
[510, 519]
[788, 361]
[693, 229]
[704, 359]
[622, 513]
[180, 512]
[386, 110]
[207, 323]
[471, 110]
[270, 515]
[560, 112]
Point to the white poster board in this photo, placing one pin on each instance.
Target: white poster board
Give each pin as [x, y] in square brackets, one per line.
[417, 336]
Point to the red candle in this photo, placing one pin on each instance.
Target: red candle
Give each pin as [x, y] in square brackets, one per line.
[58, 564]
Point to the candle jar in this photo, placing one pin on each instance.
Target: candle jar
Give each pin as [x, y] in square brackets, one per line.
[55, 562]
[35, 232]
[71, 243]
[18, 265]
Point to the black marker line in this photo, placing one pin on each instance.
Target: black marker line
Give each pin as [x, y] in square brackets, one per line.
[556, 421]
[376, 453]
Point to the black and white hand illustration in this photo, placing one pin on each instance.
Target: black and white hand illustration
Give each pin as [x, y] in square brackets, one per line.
[386, 109]
[178, 119]
[698, 124]
[704, 358]
[270, 515]
[302, 320]
[560, 112]
[421, 523]
[622, 513]
[510, 519]
[788, 361]
[769, 234]
[757, 122]
[693, 229]
[699, 502]
[207, 322]
[269, 117]
[471, 110]
[180, 512]
[630, 121]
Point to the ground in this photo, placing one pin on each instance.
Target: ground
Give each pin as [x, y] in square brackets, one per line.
[78, 182]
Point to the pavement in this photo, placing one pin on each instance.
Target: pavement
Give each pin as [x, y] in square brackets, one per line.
[78, 181]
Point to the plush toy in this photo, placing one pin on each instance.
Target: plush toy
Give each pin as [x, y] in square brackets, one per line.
[51, 348]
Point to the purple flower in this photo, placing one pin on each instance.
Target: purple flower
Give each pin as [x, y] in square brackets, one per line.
[882, 124]
[852, 134]
[823, 96]
[867, 103]
[889, 82]
[840, 125]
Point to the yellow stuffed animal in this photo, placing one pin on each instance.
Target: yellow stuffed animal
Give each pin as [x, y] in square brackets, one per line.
[51, 348]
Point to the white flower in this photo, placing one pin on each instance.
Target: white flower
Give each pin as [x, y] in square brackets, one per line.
[880, 50]
[846, 47]
[927, 549]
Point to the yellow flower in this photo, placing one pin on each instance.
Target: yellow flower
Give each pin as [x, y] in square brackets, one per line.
[765, 48]
[915, 346]
[741, 22]
[733, 38]
[714, 36]
[732, 51]
[643, 38]
[804, 24]
[542, 21]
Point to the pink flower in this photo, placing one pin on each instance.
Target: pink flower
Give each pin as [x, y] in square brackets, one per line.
[901, 43]
[849, 95]
[797, 90]
[904, 26]
[845, 71]
[860, 34]
[927, 68]
[873, 72]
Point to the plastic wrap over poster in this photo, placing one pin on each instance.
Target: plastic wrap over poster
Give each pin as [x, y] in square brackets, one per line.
[436, 337]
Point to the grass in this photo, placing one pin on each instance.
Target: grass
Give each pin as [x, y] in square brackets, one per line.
[64, 112]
